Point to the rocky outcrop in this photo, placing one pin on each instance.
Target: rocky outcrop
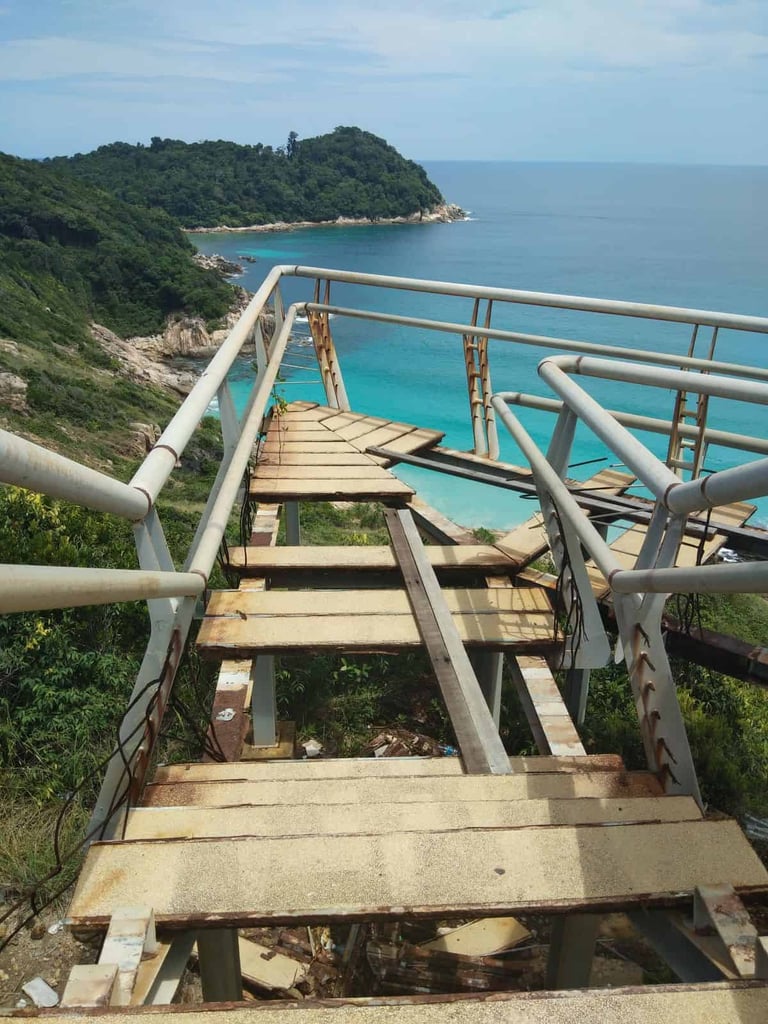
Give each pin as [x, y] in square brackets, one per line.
[188, 337]
[140, 366]
[13, 392]
[220, 264]
[151, 359]
[143, 437]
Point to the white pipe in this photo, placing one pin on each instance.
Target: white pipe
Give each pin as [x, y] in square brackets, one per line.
[677, 380]
[25, 464]
[566, 504]
[740, 578]
[26, 588]
[204, 555]
[650, 470]
[546, 341]
[158, 465]
[677, 314]
[737, 484]
[721, 438]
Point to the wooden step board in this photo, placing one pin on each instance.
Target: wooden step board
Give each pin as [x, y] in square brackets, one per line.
[371, 767]
[544, 707]
[529, 540]
[277, 562]
[367, 819]
[627, 547]
[241, 623]
[725, 1003]
[456, 789]
[313, 453]
[251, 881]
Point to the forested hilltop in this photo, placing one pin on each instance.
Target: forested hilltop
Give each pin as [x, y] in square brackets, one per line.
[346, 173]
[71, 253]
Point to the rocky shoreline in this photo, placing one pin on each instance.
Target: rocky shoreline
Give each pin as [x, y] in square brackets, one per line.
[163, 359]
[442, 214]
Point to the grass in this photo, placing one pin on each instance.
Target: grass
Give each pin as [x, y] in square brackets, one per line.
[27, 853]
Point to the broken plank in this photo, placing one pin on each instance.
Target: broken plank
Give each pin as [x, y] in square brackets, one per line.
[267, 968]
[480, 938]
[476, 733]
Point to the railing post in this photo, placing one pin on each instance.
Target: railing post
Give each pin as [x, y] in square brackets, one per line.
[230, 424]
[325, 350]
[479, 388]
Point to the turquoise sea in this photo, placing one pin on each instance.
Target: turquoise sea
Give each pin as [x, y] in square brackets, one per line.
[686, 236]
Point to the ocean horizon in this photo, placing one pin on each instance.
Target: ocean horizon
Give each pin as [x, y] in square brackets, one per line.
[691, 235]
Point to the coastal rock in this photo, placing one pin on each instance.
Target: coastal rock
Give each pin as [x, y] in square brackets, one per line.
[214, 261]
[143, 437]
[140, 366]
[149, 360]
[13, 392]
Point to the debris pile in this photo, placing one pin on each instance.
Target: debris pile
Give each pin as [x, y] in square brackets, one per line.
[405, 743]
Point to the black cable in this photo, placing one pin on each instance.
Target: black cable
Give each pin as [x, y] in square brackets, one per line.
[97, 831]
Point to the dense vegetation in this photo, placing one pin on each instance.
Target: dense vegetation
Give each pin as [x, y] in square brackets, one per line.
[349, 173]
[70, 253]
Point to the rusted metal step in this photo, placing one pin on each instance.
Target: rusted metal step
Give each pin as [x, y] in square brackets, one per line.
[247, 881]
[727, 1003]
[371, 767]
[369, 819]
[456, 789]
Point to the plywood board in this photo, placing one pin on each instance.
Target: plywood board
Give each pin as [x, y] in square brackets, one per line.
[526, 632]
[284, 458]
[190, 822]
[375, 791]
[375, 767]
[479, 557]
[481, 938]
[329, 489]
[386, 603]
[498, 871]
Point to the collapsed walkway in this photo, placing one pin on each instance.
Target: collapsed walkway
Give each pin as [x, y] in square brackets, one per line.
[197, 851]
[215, 847]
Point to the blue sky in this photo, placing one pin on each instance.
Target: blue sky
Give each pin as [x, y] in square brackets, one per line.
[676, 81]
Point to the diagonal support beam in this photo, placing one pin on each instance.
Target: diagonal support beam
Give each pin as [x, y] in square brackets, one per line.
[477, 735]
[719, 908]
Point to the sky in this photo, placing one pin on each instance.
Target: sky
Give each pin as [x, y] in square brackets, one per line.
[669, 81]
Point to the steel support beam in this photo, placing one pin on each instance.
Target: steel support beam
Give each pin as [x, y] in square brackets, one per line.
[263, 702]
[219, 957]
[571, 950]
[292, 523]
[489, 666]
[688, 962]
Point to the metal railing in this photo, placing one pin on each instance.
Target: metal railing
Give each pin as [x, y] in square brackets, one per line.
[172, 594]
